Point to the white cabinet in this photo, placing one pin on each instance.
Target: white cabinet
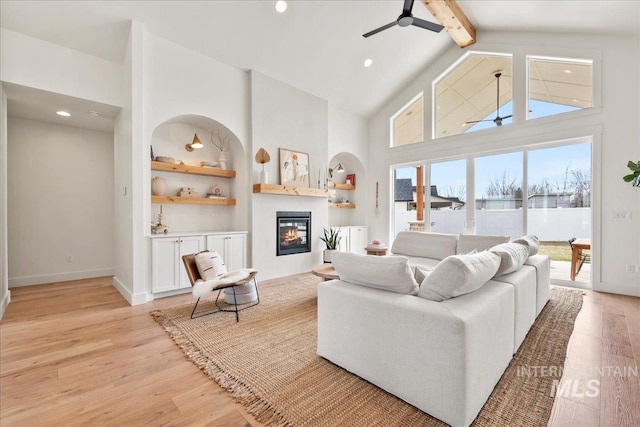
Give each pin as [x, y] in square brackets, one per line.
[167, 269]
[232, 247]
[168, 273]
[353, 239]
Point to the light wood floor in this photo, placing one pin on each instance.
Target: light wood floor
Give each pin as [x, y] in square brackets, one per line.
[75, 353]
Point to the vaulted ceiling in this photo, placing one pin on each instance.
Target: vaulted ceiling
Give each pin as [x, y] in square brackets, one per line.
[316, 46]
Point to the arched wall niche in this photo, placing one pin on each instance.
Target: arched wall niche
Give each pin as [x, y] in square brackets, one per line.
[169, 139]
[352, 165]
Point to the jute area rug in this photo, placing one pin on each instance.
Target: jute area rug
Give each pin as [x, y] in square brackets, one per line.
[268, 361]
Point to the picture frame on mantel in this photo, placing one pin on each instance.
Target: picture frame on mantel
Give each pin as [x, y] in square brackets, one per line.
[294, 168]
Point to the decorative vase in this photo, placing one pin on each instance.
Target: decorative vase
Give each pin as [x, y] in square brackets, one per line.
[264, 176]
[222, 160]
[326, 254]
[158, 186]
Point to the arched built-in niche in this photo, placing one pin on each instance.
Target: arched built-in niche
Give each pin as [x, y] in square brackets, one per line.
[169, 139]
[345, 216]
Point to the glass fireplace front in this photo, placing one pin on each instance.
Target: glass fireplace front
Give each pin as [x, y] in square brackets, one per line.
[294, 232]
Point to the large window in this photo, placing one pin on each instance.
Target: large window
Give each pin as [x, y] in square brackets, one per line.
[408, 124]
[553, 202]
[467, 97]
[558, 85]
[448, 196]
[499, 195]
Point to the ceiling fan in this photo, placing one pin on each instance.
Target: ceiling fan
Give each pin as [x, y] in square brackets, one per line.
[498, 120]
[405, 19]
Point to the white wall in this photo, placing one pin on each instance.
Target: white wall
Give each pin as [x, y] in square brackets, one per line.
[5, 294]
[60, 202]
[123, 279]
[180, 82]
[612, 122]
[35, 63]
[285, 117]
[348, 142]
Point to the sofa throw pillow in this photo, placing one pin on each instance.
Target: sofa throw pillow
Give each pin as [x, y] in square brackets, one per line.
[210, 265]
[426, 245]
[512, 256]
[469, 242]
[458, 275]
[421, 273]
[531, 241]
[389, 273]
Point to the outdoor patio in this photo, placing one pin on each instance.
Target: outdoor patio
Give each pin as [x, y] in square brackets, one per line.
[560, 275]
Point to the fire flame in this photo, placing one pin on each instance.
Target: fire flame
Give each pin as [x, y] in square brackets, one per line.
[290, 235]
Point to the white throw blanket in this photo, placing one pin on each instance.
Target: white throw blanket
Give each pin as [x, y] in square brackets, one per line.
[203, 288]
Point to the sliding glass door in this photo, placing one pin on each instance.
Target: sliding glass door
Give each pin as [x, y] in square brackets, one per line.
[559, 206]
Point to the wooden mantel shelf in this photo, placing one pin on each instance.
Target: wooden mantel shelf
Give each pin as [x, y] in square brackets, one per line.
[287, 190]
[192, 200]
[195, 170]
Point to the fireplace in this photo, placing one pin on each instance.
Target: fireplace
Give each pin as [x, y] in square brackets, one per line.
[294, 232]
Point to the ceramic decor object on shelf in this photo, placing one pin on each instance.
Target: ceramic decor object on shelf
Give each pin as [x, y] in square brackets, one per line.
[158, 186]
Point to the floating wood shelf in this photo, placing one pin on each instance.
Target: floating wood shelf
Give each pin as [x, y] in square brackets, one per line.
[341, 186]
[287, 190]
[192, 200]
[195, 170]
[342, 205]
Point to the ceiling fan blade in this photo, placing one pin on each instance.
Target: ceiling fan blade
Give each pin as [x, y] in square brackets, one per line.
[507, 117]
[477, 121]
[427, 25]
[377, 30]
[408, 5]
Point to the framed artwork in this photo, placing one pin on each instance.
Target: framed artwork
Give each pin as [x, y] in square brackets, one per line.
[351, 179]
[294, 168]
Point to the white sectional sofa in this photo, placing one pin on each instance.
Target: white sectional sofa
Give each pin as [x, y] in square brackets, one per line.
[444, 357]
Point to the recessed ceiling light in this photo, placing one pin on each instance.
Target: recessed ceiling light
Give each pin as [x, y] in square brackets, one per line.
[567, 71]
[63, 113]
[281, 6]
[575, 100]
[94, 113]
[368, 62]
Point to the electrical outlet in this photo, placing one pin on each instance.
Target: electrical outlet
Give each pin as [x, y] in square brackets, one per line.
[69, 258]
[631, 268]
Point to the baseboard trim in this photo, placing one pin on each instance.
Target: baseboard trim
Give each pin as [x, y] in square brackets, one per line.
[5, 303]
[132, 299]
[59, 277]
[631, 290]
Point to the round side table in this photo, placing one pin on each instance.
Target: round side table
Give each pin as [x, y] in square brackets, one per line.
[326, 271]
[376, 250]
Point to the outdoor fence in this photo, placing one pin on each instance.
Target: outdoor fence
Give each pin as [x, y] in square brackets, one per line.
[548, 224]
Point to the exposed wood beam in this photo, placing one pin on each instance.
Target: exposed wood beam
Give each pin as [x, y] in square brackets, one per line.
[419, 195]
[449, 14]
